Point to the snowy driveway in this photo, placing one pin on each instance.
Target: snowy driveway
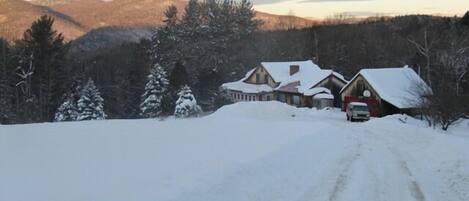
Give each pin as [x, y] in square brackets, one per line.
[244, 152]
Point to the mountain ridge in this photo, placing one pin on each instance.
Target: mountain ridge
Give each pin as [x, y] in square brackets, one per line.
[17, 16]
[78, 17]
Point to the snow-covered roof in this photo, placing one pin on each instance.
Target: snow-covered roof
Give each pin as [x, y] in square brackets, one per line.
[280, 71]
[247, 88]
[316, 90]
[394, 85]
[308, 75]
[244, 87]
[358, 104]
[323, 96]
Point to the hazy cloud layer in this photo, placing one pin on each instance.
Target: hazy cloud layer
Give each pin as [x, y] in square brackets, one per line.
[260, 2]
[312, 1]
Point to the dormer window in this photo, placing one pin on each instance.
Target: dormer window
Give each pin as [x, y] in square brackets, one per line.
[257, 78]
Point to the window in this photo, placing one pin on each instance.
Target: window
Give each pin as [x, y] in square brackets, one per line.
[268, 98]
[281, 97]
[249, 97]
[266, 78]
[296, 100]
[257, 78]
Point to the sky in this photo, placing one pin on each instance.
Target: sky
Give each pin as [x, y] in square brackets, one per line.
[362, 8]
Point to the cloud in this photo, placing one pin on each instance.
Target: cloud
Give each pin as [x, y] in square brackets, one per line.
[313, 1]
[261, 2]
[367, 13]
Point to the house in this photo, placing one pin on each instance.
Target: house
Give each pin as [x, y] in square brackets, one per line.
[295, 83]
[385, 90]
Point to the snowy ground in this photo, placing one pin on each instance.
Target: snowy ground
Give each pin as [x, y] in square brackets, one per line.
[243, 152]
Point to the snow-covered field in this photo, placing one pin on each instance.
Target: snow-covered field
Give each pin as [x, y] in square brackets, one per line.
[243, 152]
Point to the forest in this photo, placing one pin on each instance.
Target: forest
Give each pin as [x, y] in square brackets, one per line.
[213, 42]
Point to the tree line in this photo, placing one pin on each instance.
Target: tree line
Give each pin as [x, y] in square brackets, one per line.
[213, 42]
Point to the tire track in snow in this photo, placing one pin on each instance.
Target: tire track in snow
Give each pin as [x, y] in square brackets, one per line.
[345, 165]
[341, 181]
[283, 174]
[413, 185]
[336, 177]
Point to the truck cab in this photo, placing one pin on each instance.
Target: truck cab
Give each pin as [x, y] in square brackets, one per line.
[357, 111]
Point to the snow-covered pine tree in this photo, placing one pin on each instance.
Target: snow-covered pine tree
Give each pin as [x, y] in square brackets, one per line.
[67, 111]
[155, 89]
[91, 104]
[186, 105]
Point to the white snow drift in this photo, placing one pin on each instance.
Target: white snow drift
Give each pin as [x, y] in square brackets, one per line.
[244, 152]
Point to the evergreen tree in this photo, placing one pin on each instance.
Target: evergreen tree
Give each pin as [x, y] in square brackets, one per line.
[244, 16]
[465, 19]
[165, 48]
[67, 111]
[208, 85]
[191, 19]
[45, 50]
[186, 105]
[171, 18]
[91, 104]
[156, 87]
[179, 76]
[206, 41]
[6, 88]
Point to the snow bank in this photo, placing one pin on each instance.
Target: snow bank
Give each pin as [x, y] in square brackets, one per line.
[264, 111]
[259, 151]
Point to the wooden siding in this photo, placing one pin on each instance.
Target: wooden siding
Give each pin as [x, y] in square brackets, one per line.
[356, 88]
[262, 73]
[334, 84]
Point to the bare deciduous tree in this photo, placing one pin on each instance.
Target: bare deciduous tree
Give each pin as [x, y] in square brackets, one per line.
[425, 49]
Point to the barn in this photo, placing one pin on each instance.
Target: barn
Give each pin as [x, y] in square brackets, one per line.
[385, 90]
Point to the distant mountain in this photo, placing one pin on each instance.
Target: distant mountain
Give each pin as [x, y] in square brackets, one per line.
[133, 13]
[107, 37]
[101, 13]
[75, 18]
[16, 16]
[274, 22]
[47, 2]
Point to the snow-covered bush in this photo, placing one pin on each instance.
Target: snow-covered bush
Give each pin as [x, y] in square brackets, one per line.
[67, 111]
[155, 89]
[91, 104]
[186, 105]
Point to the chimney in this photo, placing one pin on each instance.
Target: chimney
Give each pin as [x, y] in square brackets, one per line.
[294, 69]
